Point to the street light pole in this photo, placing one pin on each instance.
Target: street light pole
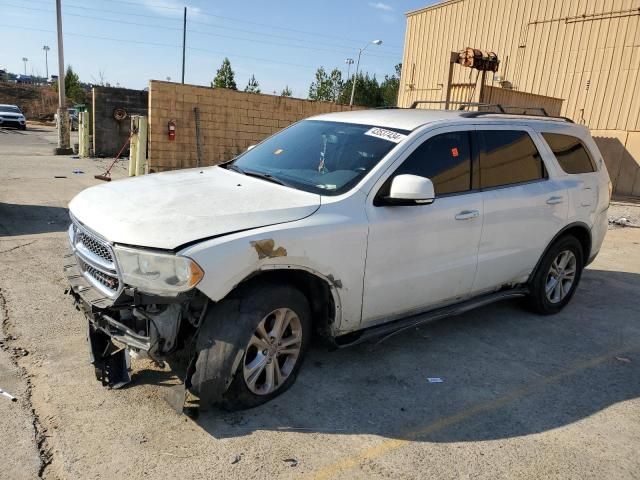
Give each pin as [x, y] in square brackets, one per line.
[46, 59]
[184, 40]
[25, 60]
[355, 75]
[349, 62]
[63, 115]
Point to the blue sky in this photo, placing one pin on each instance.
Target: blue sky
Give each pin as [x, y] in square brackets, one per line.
[282, 42]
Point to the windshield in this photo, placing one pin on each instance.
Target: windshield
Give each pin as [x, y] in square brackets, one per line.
[10, 108]
[318, 156]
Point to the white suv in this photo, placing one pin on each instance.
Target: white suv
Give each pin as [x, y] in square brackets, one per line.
[351, 225]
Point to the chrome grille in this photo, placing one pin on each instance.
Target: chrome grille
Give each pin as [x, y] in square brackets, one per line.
[96, 260]
[109, 281]
[94, 246]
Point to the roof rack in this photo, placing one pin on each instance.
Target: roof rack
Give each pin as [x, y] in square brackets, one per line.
[544, 116]
[501, 109]
[462, 104]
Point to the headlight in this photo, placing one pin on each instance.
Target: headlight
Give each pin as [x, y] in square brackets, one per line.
[158, 273]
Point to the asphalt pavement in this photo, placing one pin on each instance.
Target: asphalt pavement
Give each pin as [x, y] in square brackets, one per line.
[522, 396]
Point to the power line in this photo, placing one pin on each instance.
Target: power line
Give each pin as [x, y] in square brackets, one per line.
[266, 25]
[284, 37]
[156, 44]
[218, 35]
[82, 7]
[233, 19]
[208, 24]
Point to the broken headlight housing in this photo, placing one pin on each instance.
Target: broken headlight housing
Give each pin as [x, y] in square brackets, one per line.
[157, 273]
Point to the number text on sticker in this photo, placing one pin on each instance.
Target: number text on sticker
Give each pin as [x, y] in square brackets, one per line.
[389, 135]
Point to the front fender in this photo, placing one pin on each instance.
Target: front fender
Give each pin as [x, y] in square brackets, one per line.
[330, 247]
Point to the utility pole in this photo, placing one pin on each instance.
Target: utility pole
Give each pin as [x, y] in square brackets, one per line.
[349, 62]
[184, 40]
[355, 76]
[63, 115]
[25, 60]
[46, 59]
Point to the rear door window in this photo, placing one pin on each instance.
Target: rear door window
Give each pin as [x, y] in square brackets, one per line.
[445, 159]
[571, 154]
[508, 157]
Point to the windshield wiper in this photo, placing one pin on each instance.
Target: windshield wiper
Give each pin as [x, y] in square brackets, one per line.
[235, 168]
[265, 176]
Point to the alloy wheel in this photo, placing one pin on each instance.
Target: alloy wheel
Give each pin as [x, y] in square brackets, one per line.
[561, 276]
[273, 351]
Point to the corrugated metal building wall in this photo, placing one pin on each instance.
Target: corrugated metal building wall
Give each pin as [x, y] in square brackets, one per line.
[586, 52]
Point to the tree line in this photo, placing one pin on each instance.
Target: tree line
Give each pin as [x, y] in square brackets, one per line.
[328, 86]
[225, 78]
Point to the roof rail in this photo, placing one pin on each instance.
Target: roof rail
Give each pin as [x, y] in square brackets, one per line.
[462, 104]
[501, 109]
[481, 114]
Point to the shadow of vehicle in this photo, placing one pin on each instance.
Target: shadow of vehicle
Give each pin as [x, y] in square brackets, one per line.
[12, 130]
[18, 219]
[506, 373]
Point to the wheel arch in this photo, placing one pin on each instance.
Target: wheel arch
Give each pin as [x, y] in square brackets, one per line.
[321, 291]
[580, 231]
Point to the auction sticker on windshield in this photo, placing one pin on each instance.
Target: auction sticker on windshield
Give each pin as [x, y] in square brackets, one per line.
[390, 135]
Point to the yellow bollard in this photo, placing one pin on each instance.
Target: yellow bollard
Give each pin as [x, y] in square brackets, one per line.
[133, 144]
[83, 134]
[141, 150]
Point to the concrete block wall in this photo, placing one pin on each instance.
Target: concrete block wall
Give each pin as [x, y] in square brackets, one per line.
[108, 133]
[230, 121]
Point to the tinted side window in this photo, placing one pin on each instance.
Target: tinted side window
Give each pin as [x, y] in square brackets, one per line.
[445, 159]
[508, 157]
[571, 154]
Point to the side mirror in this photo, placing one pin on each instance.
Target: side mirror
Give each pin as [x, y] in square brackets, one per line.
[250, 147]
[411, 190]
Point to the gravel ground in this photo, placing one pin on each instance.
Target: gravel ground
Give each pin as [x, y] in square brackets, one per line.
[523, 396]
[628, 209]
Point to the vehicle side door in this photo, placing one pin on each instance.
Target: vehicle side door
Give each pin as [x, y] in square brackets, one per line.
[524, 207]
[422, 256]
[580, 169]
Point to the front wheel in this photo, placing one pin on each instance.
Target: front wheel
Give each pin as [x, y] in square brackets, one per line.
[267, 328]
[557, 277]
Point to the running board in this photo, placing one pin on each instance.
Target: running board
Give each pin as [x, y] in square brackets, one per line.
[389, 329]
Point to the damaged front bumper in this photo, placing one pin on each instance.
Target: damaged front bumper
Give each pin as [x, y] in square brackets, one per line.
[133, 323]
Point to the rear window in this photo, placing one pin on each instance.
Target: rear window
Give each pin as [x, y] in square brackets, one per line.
[571, 154]
[508, 157]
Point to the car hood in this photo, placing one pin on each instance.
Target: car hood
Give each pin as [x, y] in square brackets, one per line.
[170, 209]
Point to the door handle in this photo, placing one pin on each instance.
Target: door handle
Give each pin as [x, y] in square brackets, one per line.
[554, 200]
[467, 215]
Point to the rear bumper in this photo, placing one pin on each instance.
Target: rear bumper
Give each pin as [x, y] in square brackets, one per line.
[598, 232]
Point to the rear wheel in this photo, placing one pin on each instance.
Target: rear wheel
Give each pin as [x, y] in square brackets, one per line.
[557, 277]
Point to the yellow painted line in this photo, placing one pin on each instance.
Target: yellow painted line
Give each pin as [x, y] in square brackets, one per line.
[387, 446]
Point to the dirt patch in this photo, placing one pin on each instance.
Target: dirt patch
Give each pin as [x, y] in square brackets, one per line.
[37, 102]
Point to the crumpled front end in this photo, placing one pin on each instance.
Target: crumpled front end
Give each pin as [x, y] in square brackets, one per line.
[123, 321]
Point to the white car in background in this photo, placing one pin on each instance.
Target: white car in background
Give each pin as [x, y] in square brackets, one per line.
[352, 225]
[12, 116]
